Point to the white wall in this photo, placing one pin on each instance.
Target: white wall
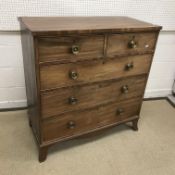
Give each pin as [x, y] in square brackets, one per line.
[155, 11]
[162, 72]
[162, 12]
[12, 86]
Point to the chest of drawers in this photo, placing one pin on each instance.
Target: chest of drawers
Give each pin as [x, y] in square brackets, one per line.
[84, 74]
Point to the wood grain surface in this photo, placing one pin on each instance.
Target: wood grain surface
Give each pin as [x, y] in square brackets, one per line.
[67, 25]
[31, 81]
[57, 75]
[118, 43]
[60, 48]
[84, 74]
[57, 101]
[88, 119]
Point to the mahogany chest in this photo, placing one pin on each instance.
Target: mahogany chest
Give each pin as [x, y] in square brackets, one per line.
[84, 74]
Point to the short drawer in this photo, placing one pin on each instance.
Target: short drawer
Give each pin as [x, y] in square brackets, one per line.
[79, 122]
[130, 44]
[82, 97]
[70, 48]
[62, 75]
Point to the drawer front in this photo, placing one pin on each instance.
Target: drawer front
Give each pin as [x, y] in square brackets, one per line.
[82, 97]
[62, 75]
[78, 122]
[70, 49]
[133, 43]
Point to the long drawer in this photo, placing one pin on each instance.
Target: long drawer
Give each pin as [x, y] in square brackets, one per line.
[74, 123]
[82, 97]
[62, 75]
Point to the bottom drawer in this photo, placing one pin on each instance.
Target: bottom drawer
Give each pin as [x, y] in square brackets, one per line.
[78, 122]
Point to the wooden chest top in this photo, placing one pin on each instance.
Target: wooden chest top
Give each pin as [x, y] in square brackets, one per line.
[86, 24]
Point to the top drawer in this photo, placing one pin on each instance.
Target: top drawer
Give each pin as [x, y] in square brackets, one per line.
[70, 48]
[131, 44]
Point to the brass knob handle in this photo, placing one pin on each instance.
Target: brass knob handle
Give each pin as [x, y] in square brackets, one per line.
[73, 100]
[120, 111]
[71, 125]
[132, 44]
[129, 66]
[125, 89]
[73, 75]
[75, 49]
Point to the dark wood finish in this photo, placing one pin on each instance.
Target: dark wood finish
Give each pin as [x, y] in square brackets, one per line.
[57, 75]
[135, 124]
[31, 81]
[57, 101]
[61, 48]
[43, 153]
[86, 120]
[118, 44]
[84, 74]
[69, 25]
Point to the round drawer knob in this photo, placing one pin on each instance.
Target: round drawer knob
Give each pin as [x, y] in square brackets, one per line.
[125, 89]
[120, 111]
[129, 66]
[71, 125]
[73, 75]
[132, 44]
[73, 100]
[75, 49]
